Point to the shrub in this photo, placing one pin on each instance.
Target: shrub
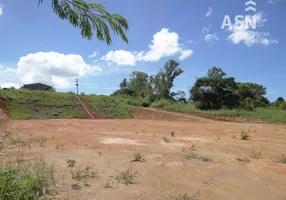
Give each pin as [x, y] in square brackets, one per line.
[29, 182]
[138, 158]
[244, 135]
[242, 159]
[281, 158]
[186, 196]
[172, 134]
[127, 177]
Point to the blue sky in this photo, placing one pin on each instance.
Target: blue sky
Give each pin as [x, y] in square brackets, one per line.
[36, 46]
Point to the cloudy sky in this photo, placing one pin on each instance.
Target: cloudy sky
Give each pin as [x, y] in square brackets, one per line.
[36, 46]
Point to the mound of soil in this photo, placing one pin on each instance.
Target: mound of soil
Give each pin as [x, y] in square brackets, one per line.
[4, 111]
[152, 114]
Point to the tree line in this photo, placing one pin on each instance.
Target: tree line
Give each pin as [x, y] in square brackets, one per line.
[213, 91]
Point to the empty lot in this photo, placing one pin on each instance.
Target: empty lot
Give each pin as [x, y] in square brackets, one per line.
[201, 157]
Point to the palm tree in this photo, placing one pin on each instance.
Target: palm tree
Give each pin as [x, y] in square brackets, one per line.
[91, 18]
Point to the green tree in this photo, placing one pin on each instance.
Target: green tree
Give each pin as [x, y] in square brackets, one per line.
[253, 91]
[91, 18]
[123, 84]
[279, 100]
[216, 72]
[215, 91]
[138, 83]
[164, 80]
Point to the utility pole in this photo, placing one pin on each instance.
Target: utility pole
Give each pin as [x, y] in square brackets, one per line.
[76, 83]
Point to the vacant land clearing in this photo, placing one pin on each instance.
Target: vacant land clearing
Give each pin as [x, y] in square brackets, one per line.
[173, 158]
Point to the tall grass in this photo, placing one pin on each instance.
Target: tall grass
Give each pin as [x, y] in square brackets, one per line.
[271, 114]
[29, 182]
[27, 104]
[108, 107]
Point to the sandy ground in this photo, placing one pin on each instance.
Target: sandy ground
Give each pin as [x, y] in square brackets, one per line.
[108, 146]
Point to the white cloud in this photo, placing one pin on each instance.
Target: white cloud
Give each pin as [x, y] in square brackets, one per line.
[164, 44]
[274, 1]
[53, 68]
[120, 57]
[242, 35]
[1, 9]
[191, 42]
[185, 54]
[206, 29]
[209, 12]
[211, 38]
[93, 55]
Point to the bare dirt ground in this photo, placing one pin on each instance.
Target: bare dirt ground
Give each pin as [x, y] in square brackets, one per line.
[108, 146]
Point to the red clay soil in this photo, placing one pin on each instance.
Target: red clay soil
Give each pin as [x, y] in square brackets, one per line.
[4, 103]
[88, 110]
[152, 114]
[106, 147]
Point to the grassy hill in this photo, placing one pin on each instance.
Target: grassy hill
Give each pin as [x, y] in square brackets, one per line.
[26, 104]
[109, 107]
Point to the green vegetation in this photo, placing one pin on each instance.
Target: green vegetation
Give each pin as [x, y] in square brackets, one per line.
[192, 155]
[108, 107]
[26, 104]
[281, 158]
[214, 95]
[138, 158]
[186, 196]
[172, 134]
[29, 182]
[91, 18]
[127, 177]
[245, 160]
[244, 135]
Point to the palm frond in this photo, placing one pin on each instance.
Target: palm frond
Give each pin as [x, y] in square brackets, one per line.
[91, 18]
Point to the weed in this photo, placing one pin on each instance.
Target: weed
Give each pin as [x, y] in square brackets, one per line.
[100, 153]
[43, 140]
[190, 155]
[20, 158]
[166, 139]
[127, 177]
[245, 160]
[256, 154]
[205, 159]
[138, 158]
[71, 163]
[186, 196]
[172, 134]
[281, 158]
[29, 182]
[81, 175]
[60, 146]
[193, 155]
[244, 135]
[207, 181]
[108, 184]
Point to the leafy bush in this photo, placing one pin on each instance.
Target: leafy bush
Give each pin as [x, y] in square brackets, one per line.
[161, 103]
[244, 135]
[29, 182]
[127, 177]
